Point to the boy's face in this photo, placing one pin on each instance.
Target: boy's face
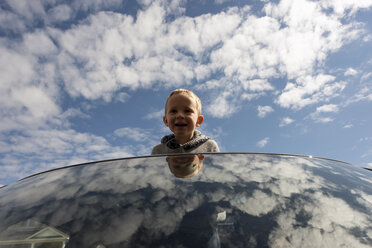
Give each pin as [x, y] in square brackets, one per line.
[184, 166]
[182, 116]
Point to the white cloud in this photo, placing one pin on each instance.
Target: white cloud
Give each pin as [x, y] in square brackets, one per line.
[251, 96]
[73, 112]
[51, 149]
[221, 107]
[247, 49]
[39, 104]
[289, 234]
[97, 5]
[350, 72]
[220, 1]
[318, 115]
[136, 134]
[11, 22]
[60, 13]
[366, 76]
[27, 108]
[29, 96]
[285, 121]
[320, 119]
[214, 133]
[341, 6]
[39, 43]
[327, 108]
[122, 97]
[228, 95]
[348, 126]
[30, 10]
[257, 205]
[263, 142]
[364, 94]
[367, 38]
[11, 61]
[309, 90]
[158, 115]
[152, 56]
[264, 110]
[367, 153]
[257, 85]
[208, 85]
[31, 13]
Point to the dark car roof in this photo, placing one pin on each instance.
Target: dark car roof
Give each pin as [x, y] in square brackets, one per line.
[233, 200]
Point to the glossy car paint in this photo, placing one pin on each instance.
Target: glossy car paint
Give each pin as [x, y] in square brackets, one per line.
[237, 200]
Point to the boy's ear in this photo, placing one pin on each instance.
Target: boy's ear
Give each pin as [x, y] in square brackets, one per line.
[201, 157]
[165, 120]
[200, 120]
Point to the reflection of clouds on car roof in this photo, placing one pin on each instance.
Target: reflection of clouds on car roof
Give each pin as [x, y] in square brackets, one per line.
[134, 199]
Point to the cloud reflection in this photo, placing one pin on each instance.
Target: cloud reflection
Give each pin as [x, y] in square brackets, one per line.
[276, 201]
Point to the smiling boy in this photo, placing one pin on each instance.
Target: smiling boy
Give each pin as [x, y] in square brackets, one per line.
[182, 117]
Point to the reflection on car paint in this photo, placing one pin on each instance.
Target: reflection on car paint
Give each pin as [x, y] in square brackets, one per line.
[236, 200]
[31, 233]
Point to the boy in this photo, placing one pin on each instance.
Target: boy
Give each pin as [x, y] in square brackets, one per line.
[182, 116]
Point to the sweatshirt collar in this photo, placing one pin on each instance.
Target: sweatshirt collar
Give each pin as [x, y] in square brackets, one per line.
[197, 140]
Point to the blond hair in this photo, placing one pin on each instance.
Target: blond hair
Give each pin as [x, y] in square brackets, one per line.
[186, 92]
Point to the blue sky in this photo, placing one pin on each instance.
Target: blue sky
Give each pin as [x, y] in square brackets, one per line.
[85, 80]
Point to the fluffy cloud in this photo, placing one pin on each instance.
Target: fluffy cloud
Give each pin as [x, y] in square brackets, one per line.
[309, 90]
[10, 22]
[350, 72]
[342, 6]
[318, 115]
[109, 51]
[262, 143]
[264, 110]
[364, 93]
[22, 13]
[136, 134]
[122, 97]
[327, 108]
[60, 13]
[221, 106]
[157, 115]
[53, 148]
[285, 121]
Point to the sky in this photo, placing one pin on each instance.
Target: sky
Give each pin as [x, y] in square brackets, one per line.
[86, 80]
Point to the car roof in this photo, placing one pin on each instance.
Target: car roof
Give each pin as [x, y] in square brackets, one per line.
[233, 200]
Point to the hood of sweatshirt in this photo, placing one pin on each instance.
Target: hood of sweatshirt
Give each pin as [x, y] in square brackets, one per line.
[197, 140]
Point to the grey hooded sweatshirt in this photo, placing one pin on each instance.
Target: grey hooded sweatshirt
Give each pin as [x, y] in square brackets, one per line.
[199, 144]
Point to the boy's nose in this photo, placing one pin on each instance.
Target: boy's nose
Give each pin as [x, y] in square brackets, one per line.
[179, 115]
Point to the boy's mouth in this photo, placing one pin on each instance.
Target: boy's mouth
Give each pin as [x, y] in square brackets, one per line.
[180, 124]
